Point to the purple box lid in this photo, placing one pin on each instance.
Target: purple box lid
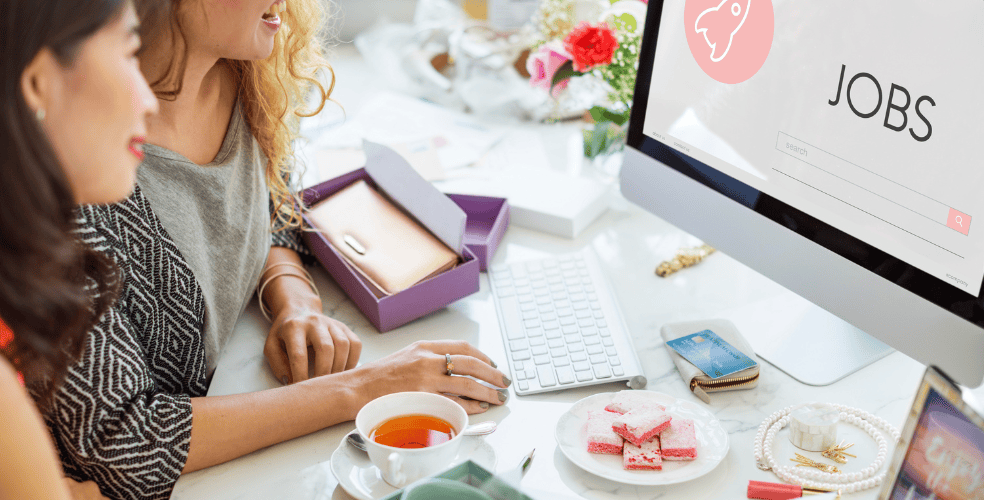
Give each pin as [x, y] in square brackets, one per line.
[488, 218]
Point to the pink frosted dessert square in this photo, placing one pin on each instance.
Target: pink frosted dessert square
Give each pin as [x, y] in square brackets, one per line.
[601, 437]
[678, 441]
[640, 425]
[645, 457]
[628, 400]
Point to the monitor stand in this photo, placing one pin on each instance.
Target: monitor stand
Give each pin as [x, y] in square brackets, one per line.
[805, 341]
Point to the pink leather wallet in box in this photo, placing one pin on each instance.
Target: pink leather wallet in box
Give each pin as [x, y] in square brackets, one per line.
[386, 247]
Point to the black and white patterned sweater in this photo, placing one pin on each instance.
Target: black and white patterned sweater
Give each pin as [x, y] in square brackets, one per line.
[123, 415]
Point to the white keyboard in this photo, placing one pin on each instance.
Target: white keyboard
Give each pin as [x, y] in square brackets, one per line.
[561, 325]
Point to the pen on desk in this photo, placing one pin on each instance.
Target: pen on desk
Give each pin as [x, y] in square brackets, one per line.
[775, 491]
[527, 461]
[512, 477]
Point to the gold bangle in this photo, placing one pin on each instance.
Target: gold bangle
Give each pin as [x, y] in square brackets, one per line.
[306, 277]
[285, 264]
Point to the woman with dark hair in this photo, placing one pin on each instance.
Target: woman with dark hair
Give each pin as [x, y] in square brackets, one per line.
[213, 220]
[71, 128]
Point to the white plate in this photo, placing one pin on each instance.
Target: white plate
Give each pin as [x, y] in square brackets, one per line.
[361, 479]
[712, 442]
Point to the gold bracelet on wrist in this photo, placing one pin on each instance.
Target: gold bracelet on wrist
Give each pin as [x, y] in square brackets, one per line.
[306, 277]
[268, 268]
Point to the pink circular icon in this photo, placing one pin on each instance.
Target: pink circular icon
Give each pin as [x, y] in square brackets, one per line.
[729, 39]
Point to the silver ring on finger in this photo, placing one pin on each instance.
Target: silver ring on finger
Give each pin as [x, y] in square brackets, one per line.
[449, 364]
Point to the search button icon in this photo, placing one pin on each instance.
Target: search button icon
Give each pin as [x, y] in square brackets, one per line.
[958, 221]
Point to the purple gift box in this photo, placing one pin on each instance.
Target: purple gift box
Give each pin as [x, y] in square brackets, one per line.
[488, 218]
[482, 231]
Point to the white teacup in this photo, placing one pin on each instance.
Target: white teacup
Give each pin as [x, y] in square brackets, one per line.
[402, 466]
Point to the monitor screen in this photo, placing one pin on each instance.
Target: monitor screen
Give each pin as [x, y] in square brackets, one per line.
[853, 123]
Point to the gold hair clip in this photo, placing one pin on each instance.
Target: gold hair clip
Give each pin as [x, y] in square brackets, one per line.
[806, 462]
[837, 453]
[686, 257]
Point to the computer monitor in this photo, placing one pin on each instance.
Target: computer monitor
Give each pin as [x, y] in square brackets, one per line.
[834, 147]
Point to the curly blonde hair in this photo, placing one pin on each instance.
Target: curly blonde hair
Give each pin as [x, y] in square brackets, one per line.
[273, 91]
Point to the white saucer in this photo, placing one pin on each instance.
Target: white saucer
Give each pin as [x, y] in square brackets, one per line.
[361, 479]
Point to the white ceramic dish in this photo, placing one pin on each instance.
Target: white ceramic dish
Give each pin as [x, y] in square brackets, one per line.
[361, 479]
[712, 442]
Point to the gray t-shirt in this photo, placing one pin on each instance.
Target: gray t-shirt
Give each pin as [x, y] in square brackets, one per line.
[218, 215]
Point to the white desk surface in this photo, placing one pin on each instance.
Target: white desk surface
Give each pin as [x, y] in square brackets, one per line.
[630, 243]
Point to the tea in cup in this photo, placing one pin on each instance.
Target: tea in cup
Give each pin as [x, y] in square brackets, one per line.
[413, 431]
[411, 435]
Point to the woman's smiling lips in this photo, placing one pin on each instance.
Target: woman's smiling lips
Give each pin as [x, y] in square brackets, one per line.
[136, 147]
[272, 16]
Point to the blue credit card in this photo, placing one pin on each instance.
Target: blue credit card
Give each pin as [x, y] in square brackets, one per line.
[711, 353]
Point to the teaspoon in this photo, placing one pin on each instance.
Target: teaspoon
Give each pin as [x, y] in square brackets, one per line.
[479, 429]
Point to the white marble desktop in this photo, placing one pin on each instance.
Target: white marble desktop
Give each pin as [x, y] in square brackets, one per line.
[630, 243]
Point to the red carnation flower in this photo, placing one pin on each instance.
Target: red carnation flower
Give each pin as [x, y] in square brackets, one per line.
[591, 46]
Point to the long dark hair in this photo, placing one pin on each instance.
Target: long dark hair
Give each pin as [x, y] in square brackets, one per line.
[52, 288]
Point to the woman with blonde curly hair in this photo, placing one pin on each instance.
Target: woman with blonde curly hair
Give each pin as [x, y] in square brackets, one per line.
[212, 217]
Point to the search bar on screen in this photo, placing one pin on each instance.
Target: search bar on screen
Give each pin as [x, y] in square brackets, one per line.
[866, 190]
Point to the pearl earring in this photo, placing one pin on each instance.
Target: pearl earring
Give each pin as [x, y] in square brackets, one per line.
[40, 114]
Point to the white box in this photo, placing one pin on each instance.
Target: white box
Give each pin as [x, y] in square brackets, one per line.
[539, 199]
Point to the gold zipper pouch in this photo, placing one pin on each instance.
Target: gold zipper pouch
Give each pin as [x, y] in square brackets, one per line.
[698, 381]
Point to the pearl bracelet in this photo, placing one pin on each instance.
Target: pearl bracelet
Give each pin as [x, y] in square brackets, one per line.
[848, 482]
